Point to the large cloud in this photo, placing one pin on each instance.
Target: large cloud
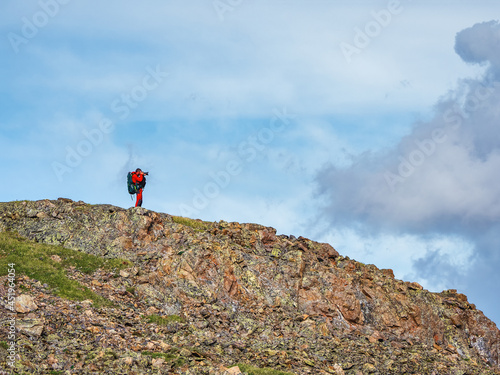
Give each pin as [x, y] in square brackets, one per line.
[441, 179]
[480, 43]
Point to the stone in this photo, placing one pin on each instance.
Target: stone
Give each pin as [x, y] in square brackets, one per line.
[337, 369]
[30, 326]
[24, 304]
[233, 371]
[128, 361]
[369, 368]
[124, 273]
[415, 286]
[158, 362]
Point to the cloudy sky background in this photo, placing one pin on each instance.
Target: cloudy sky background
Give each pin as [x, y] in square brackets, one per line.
[371, 125]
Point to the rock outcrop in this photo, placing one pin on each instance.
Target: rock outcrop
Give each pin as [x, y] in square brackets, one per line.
[240, 293]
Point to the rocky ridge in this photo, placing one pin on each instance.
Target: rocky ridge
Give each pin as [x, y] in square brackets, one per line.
[227, 293]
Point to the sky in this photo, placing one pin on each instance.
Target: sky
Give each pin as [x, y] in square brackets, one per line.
[370, 125]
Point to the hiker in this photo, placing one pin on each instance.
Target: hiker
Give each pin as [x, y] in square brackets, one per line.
[139, 181]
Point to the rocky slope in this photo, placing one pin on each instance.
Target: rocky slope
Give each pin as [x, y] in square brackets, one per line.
[198, 297]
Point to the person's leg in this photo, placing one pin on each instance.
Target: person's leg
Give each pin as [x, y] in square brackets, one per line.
[138, 202]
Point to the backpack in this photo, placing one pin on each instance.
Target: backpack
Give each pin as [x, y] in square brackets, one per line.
[133, 188]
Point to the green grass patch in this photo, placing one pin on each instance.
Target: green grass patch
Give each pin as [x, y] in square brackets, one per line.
[164, 320]
[3, 344]
[34, 260]
[196, 224]
[23, 288]
[83, 207]
[251, 370]
[168, 357]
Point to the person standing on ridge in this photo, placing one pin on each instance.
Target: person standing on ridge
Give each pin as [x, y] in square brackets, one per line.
[139, 180]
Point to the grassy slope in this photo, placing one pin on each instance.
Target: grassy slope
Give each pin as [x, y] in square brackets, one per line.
[48, 264]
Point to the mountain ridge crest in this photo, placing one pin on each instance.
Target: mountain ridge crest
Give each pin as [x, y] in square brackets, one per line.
[244, 292]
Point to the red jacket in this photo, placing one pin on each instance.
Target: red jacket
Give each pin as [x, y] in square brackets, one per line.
[137, 177]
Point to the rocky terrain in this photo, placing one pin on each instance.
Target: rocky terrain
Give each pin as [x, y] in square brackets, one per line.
[192, 297]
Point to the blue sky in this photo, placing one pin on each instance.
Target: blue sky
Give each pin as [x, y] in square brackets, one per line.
[371, 125]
